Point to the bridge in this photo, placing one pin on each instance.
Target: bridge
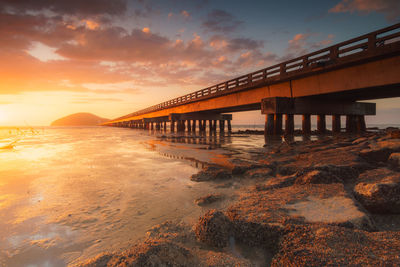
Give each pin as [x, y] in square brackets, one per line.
[330, 81]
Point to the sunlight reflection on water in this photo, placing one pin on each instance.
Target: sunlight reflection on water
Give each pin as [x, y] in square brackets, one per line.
[67, 194]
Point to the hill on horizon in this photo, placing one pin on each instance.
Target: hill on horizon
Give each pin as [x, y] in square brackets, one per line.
[79, 119]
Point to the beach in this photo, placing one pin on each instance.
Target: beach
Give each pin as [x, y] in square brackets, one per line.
[96, 196]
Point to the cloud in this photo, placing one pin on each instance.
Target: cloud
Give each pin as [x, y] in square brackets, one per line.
[69, 7]
[185, 14]
[103, 54]
[390, 8]
[221, 21]
[301, 44]
[43, 52]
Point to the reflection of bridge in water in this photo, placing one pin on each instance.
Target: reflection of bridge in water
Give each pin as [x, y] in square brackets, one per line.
[329, 81]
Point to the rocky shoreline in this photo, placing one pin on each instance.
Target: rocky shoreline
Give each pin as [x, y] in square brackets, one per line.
[334, 201]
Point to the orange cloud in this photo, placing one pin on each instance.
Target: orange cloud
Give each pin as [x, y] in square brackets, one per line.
[146, 30]
[185, 14]
[90, 24]
[390, 8]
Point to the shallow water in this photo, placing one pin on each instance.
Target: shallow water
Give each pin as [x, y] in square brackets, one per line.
[68, 194]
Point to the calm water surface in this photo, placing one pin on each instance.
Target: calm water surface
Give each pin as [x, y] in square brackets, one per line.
[68, 194]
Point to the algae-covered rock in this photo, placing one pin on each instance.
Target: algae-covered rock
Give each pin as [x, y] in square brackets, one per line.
[379, 191]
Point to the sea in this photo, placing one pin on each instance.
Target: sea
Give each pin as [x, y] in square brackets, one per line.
[68, 194]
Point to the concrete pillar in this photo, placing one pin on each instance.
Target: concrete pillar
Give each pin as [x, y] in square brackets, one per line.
[189, 126]
[321, 124]
[229, 126]
[210, 127]
[289, 124]
[165, 125]
[158, 126]
[269, 124]
[361, 127]
[215, 126]
[336, 124]
[222, 126]
[278, 124]
[306, 123]
[204, 125]
[194, 126]
[351, 126]
[172, 125]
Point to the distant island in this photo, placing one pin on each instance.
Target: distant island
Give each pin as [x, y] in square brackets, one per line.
[79, 119]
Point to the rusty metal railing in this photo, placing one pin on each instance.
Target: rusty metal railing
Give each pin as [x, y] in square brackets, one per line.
[354, 48]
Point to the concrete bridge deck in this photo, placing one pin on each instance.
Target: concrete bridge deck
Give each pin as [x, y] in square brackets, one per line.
[366, 67]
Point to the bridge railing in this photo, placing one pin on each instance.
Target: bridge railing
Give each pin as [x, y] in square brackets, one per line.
[336, 54]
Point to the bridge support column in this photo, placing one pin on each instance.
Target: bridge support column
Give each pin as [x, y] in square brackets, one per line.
[306, 124]
[269, 124]
[172, 126]
[189, 126]
[361, 127]
[165, 126]
[321, 124]
[194, 126]
[215, 126]
[336, 124]
[180, 126]
[222, 126]
[158, 126]
[183, 125]
[229, 126]
[210, 127]
[289, 124]
[278, 124]
[351, 126]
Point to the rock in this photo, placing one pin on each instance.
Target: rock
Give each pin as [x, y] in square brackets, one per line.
[317, 177]
[379, 194]
[149, 253]
[259, 173]
[349, 157]
[375, 154]
[395, 133]
[213, 258]
[242, 168]
[337, 246]
[209, 199]
[172, 231]
[394, 160]
[300, 204]
[214, 229]
[277, 182]
[381, 150]
[360, 140]
[210, 173]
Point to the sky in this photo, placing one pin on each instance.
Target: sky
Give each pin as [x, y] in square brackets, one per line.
[115, 57]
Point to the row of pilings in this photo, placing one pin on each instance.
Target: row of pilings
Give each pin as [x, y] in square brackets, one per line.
[279, 110]
[278, 124]
[183, 125]
[215, 121]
